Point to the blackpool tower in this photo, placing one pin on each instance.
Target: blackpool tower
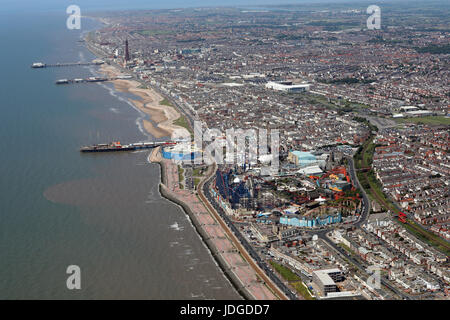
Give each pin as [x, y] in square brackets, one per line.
[127, 54]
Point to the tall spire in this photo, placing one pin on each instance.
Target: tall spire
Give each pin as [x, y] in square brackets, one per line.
[127, 54]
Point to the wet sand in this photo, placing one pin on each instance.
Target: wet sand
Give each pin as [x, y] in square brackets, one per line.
[150, 103]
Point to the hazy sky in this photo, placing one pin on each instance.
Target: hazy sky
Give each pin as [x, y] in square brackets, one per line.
[50, 5]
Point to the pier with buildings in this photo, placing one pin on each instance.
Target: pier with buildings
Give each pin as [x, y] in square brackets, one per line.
[40, 65]
[91, 79]
[117, 146]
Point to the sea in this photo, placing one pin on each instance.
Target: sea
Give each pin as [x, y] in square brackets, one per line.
[100, 212]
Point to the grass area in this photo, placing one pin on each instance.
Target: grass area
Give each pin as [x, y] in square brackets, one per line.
[318, 99]
[368, 154]
[346, 248]
[293, 279]
[180, 177]
[182, 122]
[336, 104]
[428, 237]
[431, 120]
[285, 272]
[196, 182]
[197, 172]
[301, 288]
[165, 102]
[359, 105]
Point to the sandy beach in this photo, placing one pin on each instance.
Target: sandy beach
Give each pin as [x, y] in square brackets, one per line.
[162, 116]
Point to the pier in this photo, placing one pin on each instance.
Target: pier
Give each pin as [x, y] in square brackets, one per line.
[91, 79]
[39, 65]
[117, 146]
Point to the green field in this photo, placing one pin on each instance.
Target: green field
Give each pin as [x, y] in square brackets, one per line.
[180, 177]
[432, 120]
[336, 104]
[293, 279]
[196, 182]
[182, 122]
[346, 248]
[165, 102]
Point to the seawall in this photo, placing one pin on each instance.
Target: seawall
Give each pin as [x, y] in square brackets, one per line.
[240, 288]
[235, 281]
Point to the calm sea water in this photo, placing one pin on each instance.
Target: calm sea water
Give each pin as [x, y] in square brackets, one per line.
[100, 212]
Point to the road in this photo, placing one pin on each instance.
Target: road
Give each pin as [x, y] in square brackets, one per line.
[241, 244]
[365, 199]
[323, 236]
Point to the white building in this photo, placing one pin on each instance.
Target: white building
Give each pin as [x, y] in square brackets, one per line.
[287, 86]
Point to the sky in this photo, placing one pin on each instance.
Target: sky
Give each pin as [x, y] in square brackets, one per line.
[54, 5]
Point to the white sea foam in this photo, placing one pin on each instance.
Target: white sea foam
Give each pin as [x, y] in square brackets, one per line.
[173, 243]
[142, 115]
[176, 227]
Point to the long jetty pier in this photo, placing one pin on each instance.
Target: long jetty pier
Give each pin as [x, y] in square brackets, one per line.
[92, 79]
[40, 65]
[117, 146]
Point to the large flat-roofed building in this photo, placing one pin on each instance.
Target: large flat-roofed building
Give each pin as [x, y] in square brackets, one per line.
[311, 170]
[181, 151]
[419, 113]
[311, 222]
[335, 274]
[287, 86]
[302, 159]
[326, 280]
[408, 108]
